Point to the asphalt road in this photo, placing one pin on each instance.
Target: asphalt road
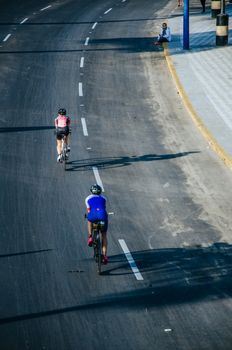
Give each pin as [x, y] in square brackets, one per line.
[169, 196]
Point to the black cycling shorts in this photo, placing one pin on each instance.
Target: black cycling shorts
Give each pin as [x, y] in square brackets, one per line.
[61, 132]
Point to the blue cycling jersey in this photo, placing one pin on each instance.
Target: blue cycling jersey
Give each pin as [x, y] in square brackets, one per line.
[96, 205]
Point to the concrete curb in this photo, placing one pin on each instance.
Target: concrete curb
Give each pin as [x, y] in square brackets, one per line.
[226, 158]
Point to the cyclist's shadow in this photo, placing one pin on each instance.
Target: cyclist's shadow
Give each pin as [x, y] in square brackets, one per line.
[115, 162]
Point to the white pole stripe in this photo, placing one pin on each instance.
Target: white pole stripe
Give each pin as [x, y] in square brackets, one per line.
[80, 89]
[82, 62]
[7, 37]
[84, 126]
[107, 11]
[97, 177]
[24, 20]
[93, 27]
[86, 41]
[130, 260]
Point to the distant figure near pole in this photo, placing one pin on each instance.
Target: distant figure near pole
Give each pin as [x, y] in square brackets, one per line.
[165, 35]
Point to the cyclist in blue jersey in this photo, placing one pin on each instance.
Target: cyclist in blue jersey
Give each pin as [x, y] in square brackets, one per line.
[96, 206]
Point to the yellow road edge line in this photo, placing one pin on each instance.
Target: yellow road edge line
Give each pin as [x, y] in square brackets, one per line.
[226, 158]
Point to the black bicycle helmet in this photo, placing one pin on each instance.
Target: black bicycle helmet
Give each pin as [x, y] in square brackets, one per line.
[62, 111]
[96, 189]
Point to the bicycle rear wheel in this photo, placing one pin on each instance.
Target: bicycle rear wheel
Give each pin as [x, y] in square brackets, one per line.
[99, 248]
[64, 159]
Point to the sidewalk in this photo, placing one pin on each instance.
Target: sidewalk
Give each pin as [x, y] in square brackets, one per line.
[203, 76]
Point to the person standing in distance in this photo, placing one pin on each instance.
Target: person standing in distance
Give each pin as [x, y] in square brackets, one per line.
[96, 206]
[62, 124]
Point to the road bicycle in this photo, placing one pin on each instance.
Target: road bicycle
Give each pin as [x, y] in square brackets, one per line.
[64, 153]
[64, 150]
[98, 226]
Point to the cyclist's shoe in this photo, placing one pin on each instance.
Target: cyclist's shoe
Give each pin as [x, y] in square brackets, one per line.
[105, 259]
[90, 241]
[59, 158]
[68, 149]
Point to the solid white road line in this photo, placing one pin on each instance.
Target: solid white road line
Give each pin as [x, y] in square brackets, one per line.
[94, 26]
[45, 8]
[80, 89]
[107, 11]
[86, 41]
[82, 62]
[97, 177]
[84, 126]
[130, 260]
[7, 37]
[24, 20]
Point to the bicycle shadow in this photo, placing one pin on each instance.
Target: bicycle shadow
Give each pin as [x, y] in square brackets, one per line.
[114, 162]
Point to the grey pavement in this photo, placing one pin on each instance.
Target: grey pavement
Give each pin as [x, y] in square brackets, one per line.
[205, 71]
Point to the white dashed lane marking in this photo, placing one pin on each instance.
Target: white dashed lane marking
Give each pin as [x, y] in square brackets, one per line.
[45, 8]
[82, 62]
[130, 260]
[87, 41]
[94, 26]
[24, 20]
[107, 11]
[84, 126]
[97, 177]
[80, 89]
[7, 37]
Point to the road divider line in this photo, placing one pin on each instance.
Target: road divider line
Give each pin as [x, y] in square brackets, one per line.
[80, 90]
[107, 11]
[82, 62]
[24, 20]
[94, 26]
[87, 41]
[45, 8]
[7, 37]
[130, 260]
[84, 126]
[97, 177]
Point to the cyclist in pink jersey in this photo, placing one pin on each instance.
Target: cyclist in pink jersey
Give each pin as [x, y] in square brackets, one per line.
[62, 123]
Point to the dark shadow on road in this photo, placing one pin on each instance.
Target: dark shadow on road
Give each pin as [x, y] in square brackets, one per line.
[113, 162]
[173, 276]
[25, 128]
[25, 253]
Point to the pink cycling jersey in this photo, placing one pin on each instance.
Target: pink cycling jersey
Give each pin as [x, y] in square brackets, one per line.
[62, 121]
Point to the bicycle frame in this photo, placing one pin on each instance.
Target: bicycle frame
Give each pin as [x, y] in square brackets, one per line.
[97, 243]
[64, 152]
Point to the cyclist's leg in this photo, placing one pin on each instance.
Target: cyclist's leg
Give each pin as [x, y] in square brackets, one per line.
[90, 229]
[59, 146]
[58, 141]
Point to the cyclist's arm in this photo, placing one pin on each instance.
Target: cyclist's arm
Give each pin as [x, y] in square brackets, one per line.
[68, 121]
[87, 204]
[56, 123]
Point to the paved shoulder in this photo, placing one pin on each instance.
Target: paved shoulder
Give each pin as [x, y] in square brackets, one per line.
[205, 74]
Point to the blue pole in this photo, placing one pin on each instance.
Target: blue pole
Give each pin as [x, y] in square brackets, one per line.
[186, 25]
